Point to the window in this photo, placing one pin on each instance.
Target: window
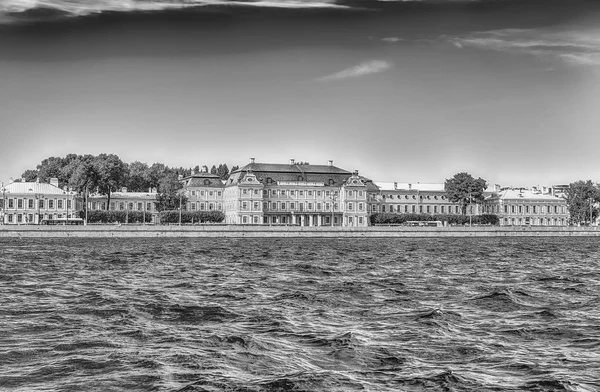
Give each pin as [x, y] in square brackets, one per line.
[219, 193]
[11, 203]
[292, 206]
[255, 219]
[121, 206]
[292, 193]
[283, 193]
[301, 193]
[265, 192]
[428, 209]
[19, 204]
[274, 192]
[283, 205]
[112, 205]
[310, 206]
[556, 209]
[382, 208]
[60, 204]
[10, 218]
[351, 207]
[457, 209]
[360, 206]
[202, 206]
[534, 208]
[30, 203]
[148, 206]
[256, 205]
[310, 193]
[527, 209]
[193, 193]
[219, 206]
[130, 206]
[266, 206]
[244, 219]
[201, 193]
[256, 192]
[244, 191]
[327, 206]
[349, 193]
[193, 206]
[319, 205]
[360, 220]
[360, 193]
[19, 218]
[274, 205]
[319, 193]
[139, 206]
[442, 209]
[520, 209]
[244, 205]
[435, 209]
[69, 203]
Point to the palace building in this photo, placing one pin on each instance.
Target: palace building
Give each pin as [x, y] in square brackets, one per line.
[33, 202]
[523, 207]
[204, 191]
[144, 202]
[297, 194]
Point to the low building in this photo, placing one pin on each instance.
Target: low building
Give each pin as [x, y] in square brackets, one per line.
[420, 198]
[144, 202]
[32, 202]
[527, 207]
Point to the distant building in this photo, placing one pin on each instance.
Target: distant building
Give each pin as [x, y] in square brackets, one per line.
[298, 194]
[418, 198]
[204, 191]
[123, 200]
[524, 207]
[32, 202]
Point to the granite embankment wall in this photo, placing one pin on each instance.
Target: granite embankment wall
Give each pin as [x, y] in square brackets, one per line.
[289, 231]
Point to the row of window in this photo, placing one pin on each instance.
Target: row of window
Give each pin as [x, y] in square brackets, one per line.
[30, 204]
[414, 197]
[299, 193]
[293, 206]
[206, 206]
[207, 193]
[533, 209]
[413, 209]
[534, 221]
[121, 206]
[30, 218]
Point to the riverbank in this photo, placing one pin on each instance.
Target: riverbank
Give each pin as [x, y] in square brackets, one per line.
[237, 231]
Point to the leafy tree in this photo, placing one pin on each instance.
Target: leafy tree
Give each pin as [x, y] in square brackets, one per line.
[464, 189]
[170, 195]
[581, 197]
[29, 175]
[138, 179]
[213, 170]
[83, 174]
[223, 171]
[236, 167]
[112, 174]
[197, 169]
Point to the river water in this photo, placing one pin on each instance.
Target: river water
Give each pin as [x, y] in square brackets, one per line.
[273, 315]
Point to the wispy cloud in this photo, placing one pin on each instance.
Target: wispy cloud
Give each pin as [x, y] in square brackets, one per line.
[574, 47]
[362, 69]
[10, 9]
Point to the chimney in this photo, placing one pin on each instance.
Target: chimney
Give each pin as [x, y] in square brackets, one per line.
[395, 185]
[150, 190]
[356, 172]
[251, 160]
[330, 163]
[292, 161]
[204, 169]
[409, 187]
[54, 182]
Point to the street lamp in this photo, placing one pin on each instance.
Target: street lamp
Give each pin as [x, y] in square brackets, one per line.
[3, 201]
[470, 212]
[333, 199]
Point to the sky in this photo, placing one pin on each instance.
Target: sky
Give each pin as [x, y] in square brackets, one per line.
[407, 91]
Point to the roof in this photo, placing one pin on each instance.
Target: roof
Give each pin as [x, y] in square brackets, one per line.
[405, 186]
[284, 172]
[526, 194]
[31, 188]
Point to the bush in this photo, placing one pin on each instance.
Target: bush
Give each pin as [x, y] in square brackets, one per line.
[391, 218]
[172, 216]
[118, 216]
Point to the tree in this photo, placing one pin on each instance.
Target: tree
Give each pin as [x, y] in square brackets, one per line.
[112, 173]
[138, 179]
[223, 171]
[29, 175]
[464, 189]
[581, 197]
[170, 195]
[213, 170]
[236, 167]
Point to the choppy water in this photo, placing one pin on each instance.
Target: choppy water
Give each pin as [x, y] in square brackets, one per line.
[300, 315]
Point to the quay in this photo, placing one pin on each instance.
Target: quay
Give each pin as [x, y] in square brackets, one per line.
[258, 231]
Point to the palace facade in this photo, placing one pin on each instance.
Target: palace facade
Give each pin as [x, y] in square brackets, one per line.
[527, 207]
[297, 194]
[32, 202]
[144, 202]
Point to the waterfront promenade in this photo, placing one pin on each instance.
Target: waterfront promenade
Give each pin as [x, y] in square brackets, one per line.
[236, 231]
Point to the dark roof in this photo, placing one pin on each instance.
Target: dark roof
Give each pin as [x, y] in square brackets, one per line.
[284, 172]
[203, 179]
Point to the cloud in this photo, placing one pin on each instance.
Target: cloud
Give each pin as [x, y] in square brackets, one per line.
[362, 69]
[580, 47]
[12, 10]
[392, 39]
